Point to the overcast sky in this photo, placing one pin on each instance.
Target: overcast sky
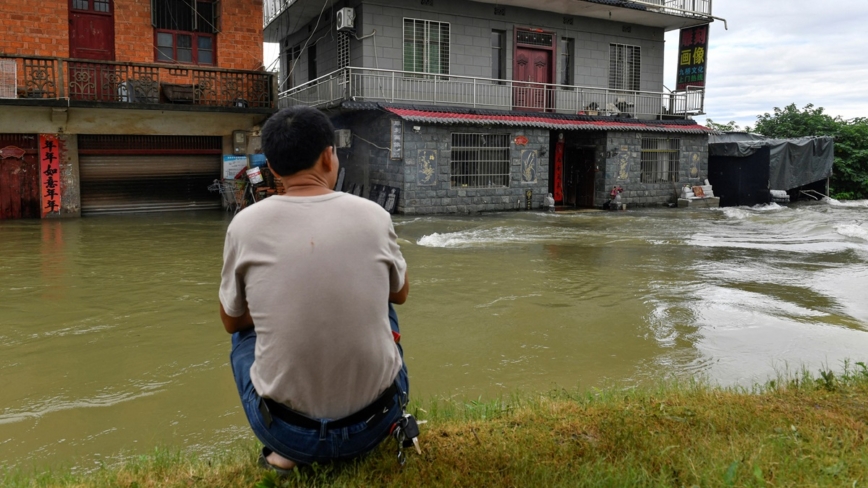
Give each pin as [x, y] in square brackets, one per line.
[778, 52]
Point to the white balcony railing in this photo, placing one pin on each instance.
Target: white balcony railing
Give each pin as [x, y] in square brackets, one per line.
[367, 84]
[680, 7]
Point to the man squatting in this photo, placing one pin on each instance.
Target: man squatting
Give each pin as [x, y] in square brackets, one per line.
[307, 288]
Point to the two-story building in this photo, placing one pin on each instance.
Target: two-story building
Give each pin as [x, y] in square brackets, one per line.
[125, 105]
[463, 106]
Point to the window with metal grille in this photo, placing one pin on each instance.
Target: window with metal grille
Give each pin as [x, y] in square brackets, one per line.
[624, 64]
[534, 38]
[185, 31]
[426, 46]
[480, 160]
[660, 157]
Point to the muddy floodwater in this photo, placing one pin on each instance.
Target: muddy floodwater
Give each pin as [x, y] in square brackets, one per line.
[110, 342]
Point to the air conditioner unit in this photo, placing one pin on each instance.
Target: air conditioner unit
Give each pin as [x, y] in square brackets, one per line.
[346, 19]
[343, 138]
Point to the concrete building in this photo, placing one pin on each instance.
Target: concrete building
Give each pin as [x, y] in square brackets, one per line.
[125, 105]
[454, 106]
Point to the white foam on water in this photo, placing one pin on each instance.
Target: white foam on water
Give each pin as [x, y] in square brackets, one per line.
[848, 203]
[852, 230]
[498, 235]
[736, 213]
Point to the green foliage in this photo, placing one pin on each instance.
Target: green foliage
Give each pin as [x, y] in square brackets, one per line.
[730, 126]
[850, 176]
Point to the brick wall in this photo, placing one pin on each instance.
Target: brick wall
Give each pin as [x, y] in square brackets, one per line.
[38, 28]
[42, 29]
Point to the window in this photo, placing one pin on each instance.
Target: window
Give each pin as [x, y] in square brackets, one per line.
[624, 67]
[288, 61]
[311, 62]
[565, 62]
[480, 160]
[185, 31]
[660, 157]
[498, 55]
[101, 6]
[426, 46]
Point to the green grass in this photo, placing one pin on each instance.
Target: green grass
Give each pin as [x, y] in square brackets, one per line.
[801, 431]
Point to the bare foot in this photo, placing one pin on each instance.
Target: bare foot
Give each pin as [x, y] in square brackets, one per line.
[279, 461]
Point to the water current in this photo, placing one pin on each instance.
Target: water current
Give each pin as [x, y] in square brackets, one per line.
[110, 342]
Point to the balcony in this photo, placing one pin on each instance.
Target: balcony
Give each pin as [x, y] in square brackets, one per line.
[105, 82]
[666, 14]
[365, 84]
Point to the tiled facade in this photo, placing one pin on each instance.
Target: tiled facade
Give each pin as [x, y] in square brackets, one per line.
[42, 29]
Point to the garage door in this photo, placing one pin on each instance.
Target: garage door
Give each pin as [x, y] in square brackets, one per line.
[124, 174]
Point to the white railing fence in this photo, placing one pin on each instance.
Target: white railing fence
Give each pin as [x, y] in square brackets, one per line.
[366, 84]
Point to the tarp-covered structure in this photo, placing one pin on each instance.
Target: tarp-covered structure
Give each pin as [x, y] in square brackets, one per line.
[743, 167]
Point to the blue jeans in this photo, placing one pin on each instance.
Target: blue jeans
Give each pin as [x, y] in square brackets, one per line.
[306, 446]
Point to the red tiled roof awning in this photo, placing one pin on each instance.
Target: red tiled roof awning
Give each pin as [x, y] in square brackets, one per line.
[547, 121]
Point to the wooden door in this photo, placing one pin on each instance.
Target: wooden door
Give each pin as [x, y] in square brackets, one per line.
[19, 184]
[91, 30]
[92, 36]
[532, 66]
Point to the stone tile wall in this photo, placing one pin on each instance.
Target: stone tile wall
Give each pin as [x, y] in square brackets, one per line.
[622, 160]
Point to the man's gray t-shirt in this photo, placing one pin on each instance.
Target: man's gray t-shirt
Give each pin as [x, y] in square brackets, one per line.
[316, 273]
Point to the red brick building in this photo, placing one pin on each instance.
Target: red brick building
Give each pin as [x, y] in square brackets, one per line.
[137, 101]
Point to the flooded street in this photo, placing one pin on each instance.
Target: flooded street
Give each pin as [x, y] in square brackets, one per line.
[110, 341]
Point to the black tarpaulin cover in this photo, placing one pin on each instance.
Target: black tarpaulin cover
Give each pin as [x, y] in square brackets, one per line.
[792, 162]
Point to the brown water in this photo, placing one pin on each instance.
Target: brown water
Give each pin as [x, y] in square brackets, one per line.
[110, 343]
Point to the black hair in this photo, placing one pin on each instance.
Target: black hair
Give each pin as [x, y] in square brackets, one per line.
[293, 139]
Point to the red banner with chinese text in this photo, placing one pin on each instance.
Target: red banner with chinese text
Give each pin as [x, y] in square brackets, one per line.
[692, 57]
[559, 172]
[49, 173]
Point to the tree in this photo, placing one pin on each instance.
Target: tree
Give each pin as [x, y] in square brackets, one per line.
[791, 122]
[850, 176]
[728, 127]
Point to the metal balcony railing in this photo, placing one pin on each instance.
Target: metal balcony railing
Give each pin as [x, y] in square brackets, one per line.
[271, 9]
[366, 84]
[680, 7]
[115, 82]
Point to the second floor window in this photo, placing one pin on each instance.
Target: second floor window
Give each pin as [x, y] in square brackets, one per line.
[624, 65]
[565, 61]
[426, 46]
[498, 54]
[185, 31]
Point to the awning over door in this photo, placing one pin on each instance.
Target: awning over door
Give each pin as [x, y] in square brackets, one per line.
[124, 174]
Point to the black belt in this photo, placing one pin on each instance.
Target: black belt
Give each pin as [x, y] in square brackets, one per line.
[376, 410]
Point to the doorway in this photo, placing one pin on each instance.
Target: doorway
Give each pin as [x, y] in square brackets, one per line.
[91, 30]
[533, 70]
[19, 177]
[579, 176]
[92, 37]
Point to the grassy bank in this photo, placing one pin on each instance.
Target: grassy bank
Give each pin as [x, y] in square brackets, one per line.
[801, 431]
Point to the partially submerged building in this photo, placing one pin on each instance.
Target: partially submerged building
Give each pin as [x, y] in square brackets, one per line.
[125, 105]
[746, 168]
[457, 106]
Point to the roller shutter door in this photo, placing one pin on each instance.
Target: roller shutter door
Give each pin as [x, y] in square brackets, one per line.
[117, 178]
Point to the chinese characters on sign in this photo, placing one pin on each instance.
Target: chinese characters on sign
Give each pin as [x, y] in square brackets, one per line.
[49, 167]
[426, 167]
[692, 57]
[396, 136]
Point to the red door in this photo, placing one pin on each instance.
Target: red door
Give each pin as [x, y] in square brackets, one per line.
[532, 66]
[91, 30]
[92, 36]
[19, 184]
